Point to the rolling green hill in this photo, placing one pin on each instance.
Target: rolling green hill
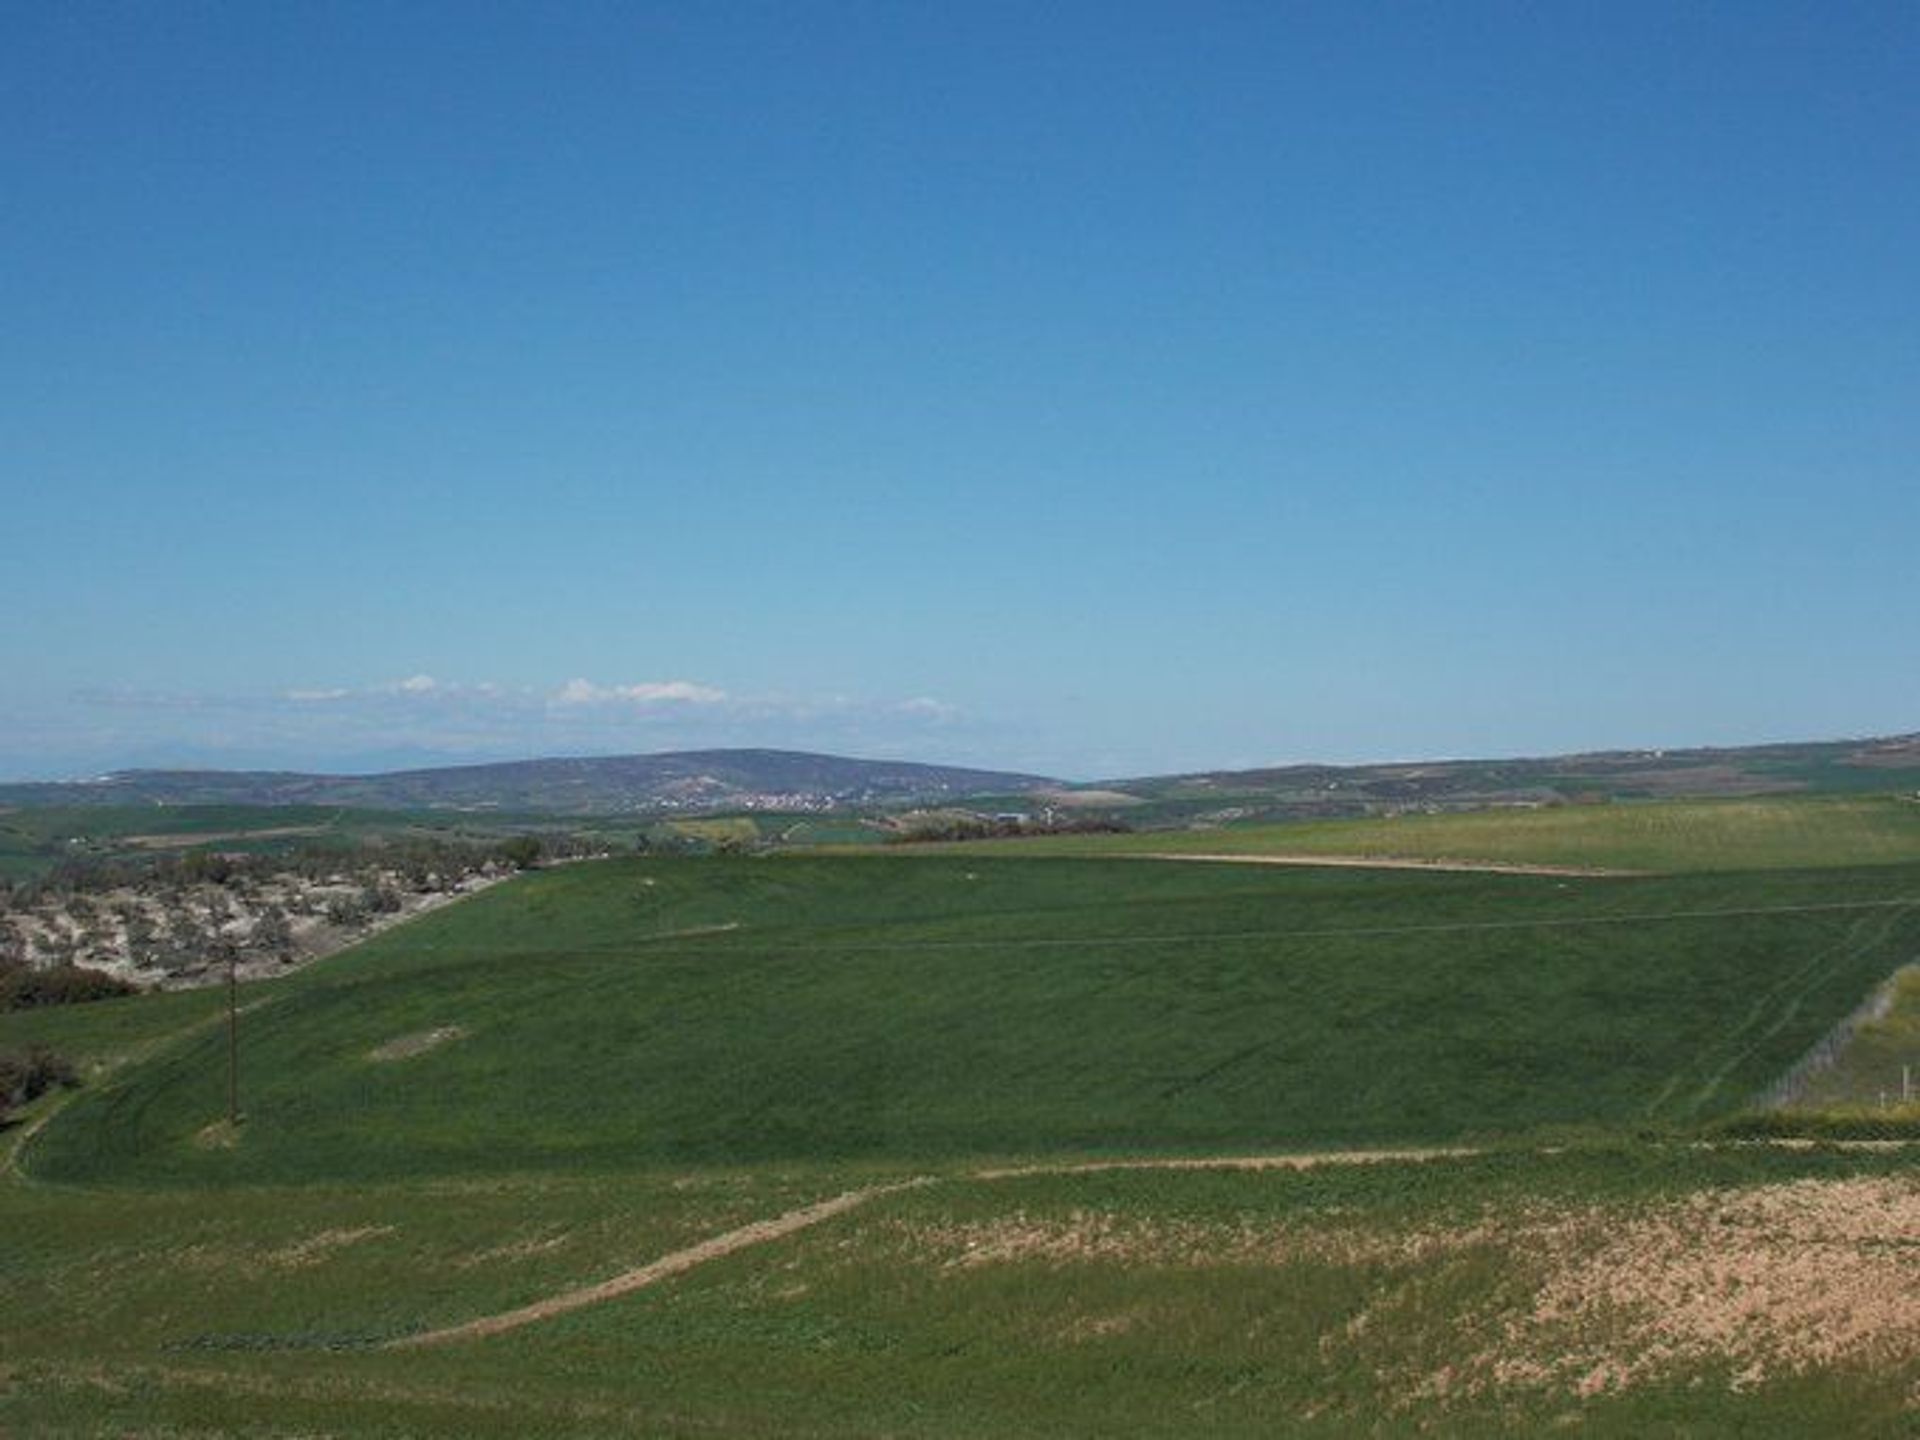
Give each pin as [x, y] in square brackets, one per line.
[925, 1009]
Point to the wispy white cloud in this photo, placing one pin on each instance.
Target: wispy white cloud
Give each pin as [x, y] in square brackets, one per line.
[927, 707]
[646, 692]
[411, 688]
[119, 697]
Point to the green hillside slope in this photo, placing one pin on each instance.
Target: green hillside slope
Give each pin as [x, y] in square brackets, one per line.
[657, 1012]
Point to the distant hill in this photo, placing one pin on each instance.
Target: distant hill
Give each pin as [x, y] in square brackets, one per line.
[707, 781]
[1331, 791]
[691, 780]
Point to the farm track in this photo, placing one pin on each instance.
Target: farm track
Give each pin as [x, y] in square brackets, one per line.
[676, 1262]
[1401, 862]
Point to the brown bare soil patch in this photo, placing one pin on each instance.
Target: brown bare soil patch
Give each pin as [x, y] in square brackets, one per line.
[514, 1250]
[1085, 1328]
[1089, 799]
[315, 1248]
[188, 840]
[1306, 1160]
[1098, 1237]
[408, 1046]
[1777, 1278]
[222, 1134]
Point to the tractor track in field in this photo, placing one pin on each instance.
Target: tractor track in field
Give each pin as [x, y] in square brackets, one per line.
[1402, 862]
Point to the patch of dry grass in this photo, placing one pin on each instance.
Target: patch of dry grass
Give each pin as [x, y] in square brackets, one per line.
[1755, 1282]
[317, 1247]
[405, 1047]
[1776, 1278]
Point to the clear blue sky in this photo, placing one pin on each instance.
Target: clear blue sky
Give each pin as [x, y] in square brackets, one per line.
[1094, 388]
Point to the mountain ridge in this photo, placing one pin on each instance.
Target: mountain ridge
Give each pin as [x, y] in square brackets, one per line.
[709, 780]
[599, 784]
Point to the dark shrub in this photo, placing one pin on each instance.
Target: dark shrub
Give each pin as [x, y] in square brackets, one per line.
[522, 851]
[22, 988]
[29, 1075]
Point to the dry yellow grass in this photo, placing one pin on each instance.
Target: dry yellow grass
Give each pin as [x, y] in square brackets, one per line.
[1786, 1277]
[1771, 1279]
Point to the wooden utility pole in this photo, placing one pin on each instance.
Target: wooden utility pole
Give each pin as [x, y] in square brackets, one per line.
[233, 1035]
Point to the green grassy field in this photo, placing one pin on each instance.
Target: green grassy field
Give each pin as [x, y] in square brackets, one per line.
[632, 1056]
[1395, 1299]
[1790, 832]
[930, 1007]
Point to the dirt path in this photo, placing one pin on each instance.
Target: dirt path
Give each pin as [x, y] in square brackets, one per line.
[1307, 1160]
[675, 1263]
[186, 840]
[1400, 862]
